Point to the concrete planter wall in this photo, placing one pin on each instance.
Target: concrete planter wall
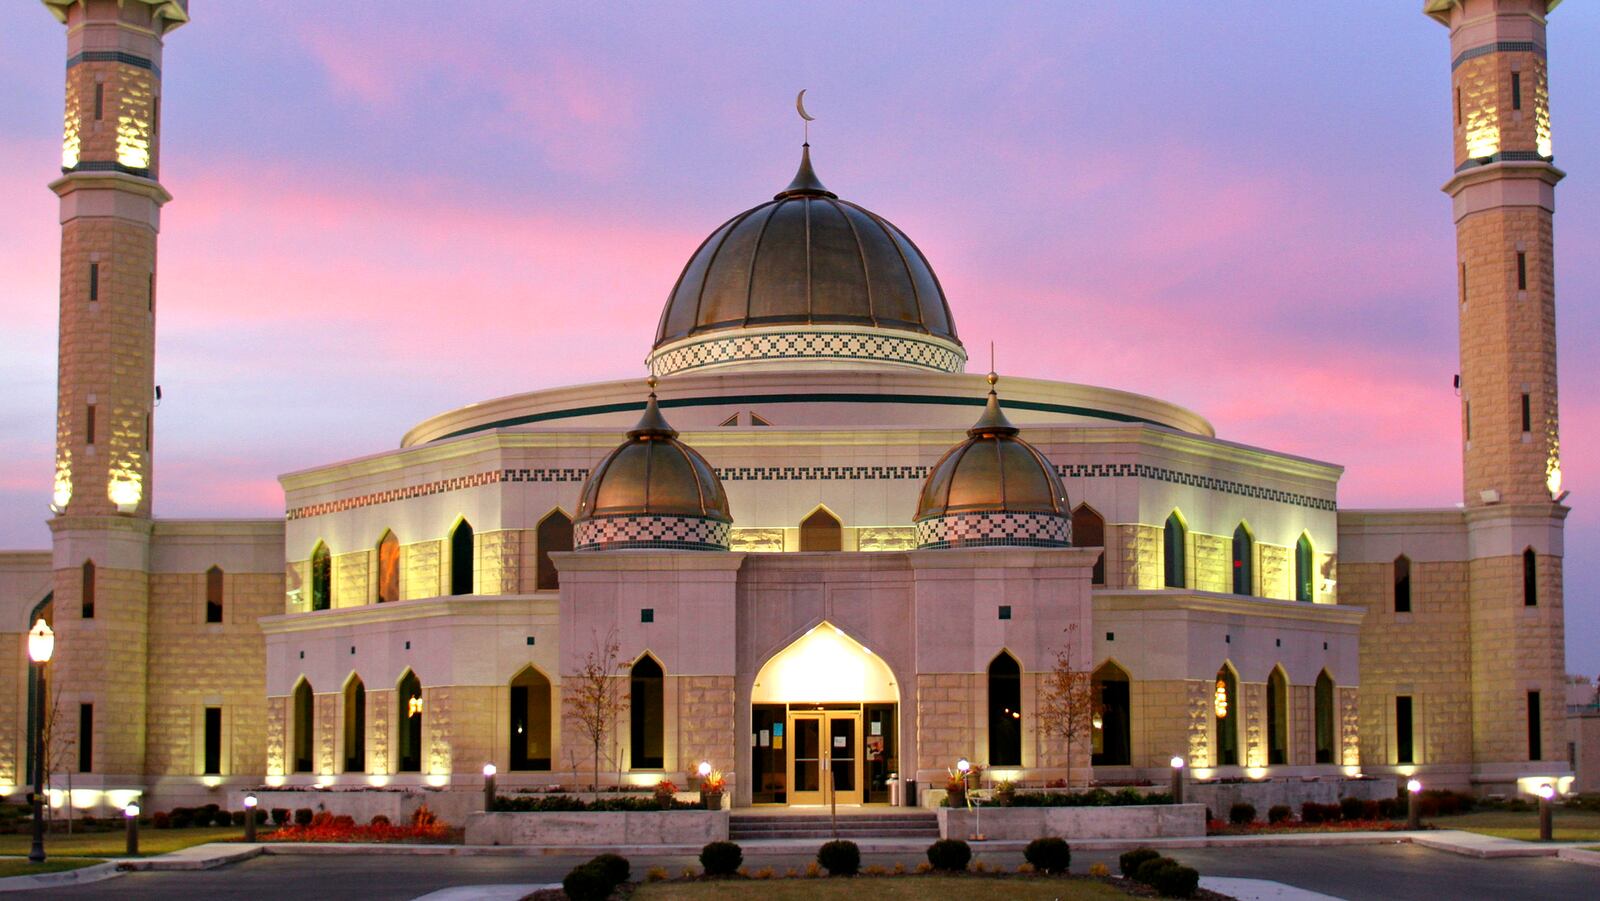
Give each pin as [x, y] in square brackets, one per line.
[1220, 796]
[654, 827]
[363, 804]
[1028, 823]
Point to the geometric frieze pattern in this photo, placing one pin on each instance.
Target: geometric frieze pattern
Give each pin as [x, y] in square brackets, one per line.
[808, 346]
[995, 530]
[683, 533]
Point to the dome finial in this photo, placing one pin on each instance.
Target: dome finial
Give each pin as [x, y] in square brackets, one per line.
[652, 426]
[806, 183]
[993, 421]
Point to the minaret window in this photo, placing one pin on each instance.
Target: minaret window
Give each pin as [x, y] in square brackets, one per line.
[1516, 90]
[88, 425]
[1175, 541]
[214, 594]
[821, 531]
[304, 723]
[1404, 748]
[1522, 271]
[1463, 281]
[1402, 584]
[388, 568]
[99, 101]
[94, 282]
[1005, 711]
[1535, 745]
[554, 534]
[1304, 570]
[87, 606]
[321, 578]
[1243, 560]
[1530, 578]
[150, 292]
[1089, 530]
[1458, 106]
[1527, 412]
[461, 558]
[85, 738]
[647, 715]
[355, 726]
[1469, 420]
[212, 765]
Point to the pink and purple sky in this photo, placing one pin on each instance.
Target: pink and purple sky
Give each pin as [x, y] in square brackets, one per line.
[388, 210]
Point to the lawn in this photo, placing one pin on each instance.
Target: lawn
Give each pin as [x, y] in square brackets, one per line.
[1570, 825]
[113, 844]
[884, 889]
[19, 866]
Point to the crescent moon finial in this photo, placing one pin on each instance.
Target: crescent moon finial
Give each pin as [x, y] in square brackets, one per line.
[800, 106]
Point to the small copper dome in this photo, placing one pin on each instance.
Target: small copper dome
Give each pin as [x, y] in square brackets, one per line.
[651, 489]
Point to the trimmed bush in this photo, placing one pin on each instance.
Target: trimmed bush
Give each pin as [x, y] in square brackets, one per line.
[1130, 860]
[1391, 808]
[1277, 813]
[303, 816]
[236, 818]
[225, 818]
[1242, 814]
[379, 820]
[614, 867]
[182, 817]
[587, 882]
[1352, 809]
[1146, 872]
[1048, 855]
[840, 858]
[1175, 880]
[161, 820]
[721, 858]
[950, 855]
[1312, 812]
[280, 816]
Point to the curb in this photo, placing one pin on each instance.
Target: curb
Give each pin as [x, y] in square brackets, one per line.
[176, 860]
[82, 876]
[1579, 855]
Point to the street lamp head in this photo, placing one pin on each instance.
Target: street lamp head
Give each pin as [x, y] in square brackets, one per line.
[489, 770]
[132, 810]
[963, 766]
[1413, 786]
[250, 801]
[704, 769]
[41, 642]
[1546, 791]
[1177, 762]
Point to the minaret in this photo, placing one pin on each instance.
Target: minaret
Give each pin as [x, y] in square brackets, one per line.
[1503, 191]
[110, 214]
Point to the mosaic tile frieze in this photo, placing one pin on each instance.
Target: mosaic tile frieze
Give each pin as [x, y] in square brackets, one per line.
[994, 530]
[683, 533]
[808, 345]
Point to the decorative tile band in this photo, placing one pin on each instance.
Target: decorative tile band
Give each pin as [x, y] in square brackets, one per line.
[113, 56]
[806, 345]
[1499, 47]
[994, 530]
[574, 475]
[682, 533]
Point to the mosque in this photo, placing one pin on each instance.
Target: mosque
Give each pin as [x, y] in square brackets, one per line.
[811, 548]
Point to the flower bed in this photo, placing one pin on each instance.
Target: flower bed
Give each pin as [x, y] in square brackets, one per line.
[1095, 797]
[545, 803]
[327, 827]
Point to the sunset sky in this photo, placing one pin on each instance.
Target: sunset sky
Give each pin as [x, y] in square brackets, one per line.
[385, 210]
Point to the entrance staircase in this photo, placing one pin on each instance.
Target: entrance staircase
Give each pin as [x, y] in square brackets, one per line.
[853, 825]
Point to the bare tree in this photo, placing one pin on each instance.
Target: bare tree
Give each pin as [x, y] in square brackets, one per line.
[1067, 704]
[58, 748]
[597, 697]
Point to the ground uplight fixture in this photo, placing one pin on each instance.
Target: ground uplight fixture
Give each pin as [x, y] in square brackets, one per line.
[1546, 792]
[1414, 805]
[250, 802]
[1177, 779]
[488, 786]
[131, 814]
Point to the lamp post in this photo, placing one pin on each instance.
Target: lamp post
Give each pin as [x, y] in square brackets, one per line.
[41, 644]
[1414, 805]
[1177, 780]
[488, 787]
[250, 802]
[131, 814]
[1546, 792]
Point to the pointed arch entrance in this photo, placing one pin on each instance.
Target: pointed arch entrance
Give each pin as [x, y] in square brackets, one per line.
[824, 723]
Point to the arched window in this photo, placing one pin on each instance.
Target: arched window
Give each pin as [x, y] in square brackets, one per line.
[461, 558]
[1530, 578]
[647, 715]
[1113, 739]
[214, 594]
[304, 728]
[555, 534]
[1402, 584]
[1244, 547]
[530, 720]
[409, 713]
[87, 607]
[1304, 570]
[1277, 718]
[1005, 711]
[821, 532]
[321, 578]
[388, 568]
[355, 726]
[1089, 530]
[1225, 707]
[1324, 718]
[1175, 550]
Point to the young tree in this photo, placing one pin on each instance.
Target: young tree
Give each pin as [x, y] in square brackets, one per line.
[596, 694]
[1067, 704]
[58, 745]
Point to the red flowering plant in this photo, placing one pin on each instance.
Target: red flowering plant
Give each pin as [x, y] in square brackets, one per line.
[326, 827]
[666, 793]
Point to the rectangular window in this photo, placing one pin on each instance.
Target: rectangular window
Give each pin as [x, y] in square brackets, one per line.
[1469, 420]
[1402, 730]
[86, 600]
[1535, 747]
[88, 424]
[85, 738]
[1527, 412]
[1516, 92]
[1402, 585]
[99, 102]
[1458, 106]
[647, 614]
[213, 762]
[1522, 271]
[94, 281]
[214, 595]
[1005, 611]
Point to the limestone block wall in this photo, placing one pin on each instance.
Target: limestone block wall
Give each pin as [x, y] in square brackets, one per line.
[705, 722]
[1516, 649]
[500, 561]
[380, 718]
[948, 705]
[1348, 722]
[1138, 556]
[1275, 572]
[325, 709]
[352, 579]
[1160, 727]
[277, 745]
[1302, 725]
[1253, 735]
[460, 727]
[1212, 568]
[101, 661]
[420, 575]
[13, 709]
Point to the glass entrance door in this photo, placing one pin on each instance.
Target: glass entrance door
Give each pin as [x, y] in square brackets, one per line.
[825, 757]
[806, 759]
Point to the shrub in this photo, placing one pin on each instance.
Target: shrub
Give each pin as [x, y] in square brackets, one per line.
[280, 816]
[1391, 808]
[840, 858]
[1146, 872]
[657, 874]
[950, 854]
[554, 803]
[225, 818]
[1310, 812]
[1130, 860]
[182, 817]
[1352, 809]
[587, 882]
[1048, 855]
[1099, 869]
[1175, 880]
[303, 816]
[614, 867]
[1242, 814]
[1277, 813]
[378, 820]
[237, 818]
[721, 858]
[161, 820]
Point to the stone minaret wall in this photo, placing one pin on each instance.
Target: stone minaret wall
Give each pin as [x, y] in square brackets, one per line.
[1503, 190]
[110, 214]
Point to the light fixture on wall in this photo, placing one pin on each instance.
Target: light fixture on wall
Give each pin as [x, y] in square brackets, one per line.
[1220, 701]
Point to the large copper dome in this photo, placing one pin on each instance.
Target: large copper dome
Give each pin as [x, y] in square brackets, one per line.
[807, 258]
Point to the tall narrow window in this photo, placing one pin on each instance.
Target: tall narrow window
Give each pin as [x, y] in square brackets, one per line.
[1324, 717]
[530, 720]
[1225, 706]
[304, 727]
[94, 281]
[1005, 711]
[213, 741]
[1535, 743]
[1530, 578]
[647, 715]
[1112, 740]
[1402, 584]
[821, 532]
[355, 726]
[1174, 546]
[1404, 750]
[321, 577]
[214, 594]
[461, 559]
[1522, 271]
[1527, 412]
[410, 714]
[1304, 570]
[1089, 530]
[1469, 420]
[1516, 90]
[555, 534]
[1463, 281]
[1243, 560]
[388, 568]
[88, 424]
[99, 101]
[147, 431]
[87, 606]
[85, 738]
[150, 292]
[1277, 718]
[1458, 106]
